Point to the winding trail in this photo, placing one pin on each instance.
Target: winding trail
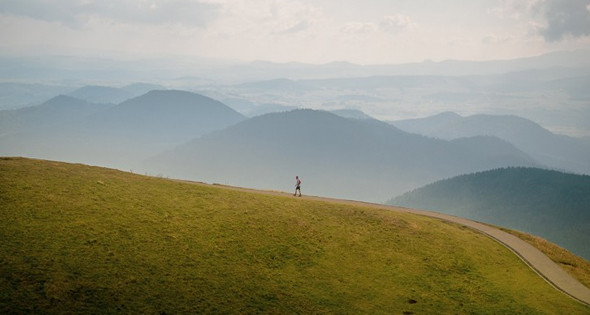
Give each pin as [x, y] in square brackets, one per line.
[534, 258]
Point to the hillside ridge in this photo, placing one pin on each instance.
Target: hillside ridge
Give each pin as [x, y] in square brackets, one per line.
[533, 257]
[102, 239]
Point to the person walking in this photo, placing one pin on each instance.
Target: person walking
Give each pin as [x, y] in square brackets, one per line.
[297, 186]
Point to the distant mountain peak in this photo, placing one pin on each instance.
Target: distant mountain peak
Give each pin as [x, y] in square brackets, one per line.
[168, 92]
[448, 115]
[175, 104]
[552, 150]
[175, 97]
[351, 113]
[63, 101]
[64, 98]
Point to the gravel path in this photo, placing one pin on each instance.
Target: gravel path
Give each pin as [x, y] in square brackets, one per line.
[533, 257]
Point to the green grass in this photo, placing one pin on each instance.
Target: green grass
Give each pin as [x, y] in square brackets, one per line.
[79, 239]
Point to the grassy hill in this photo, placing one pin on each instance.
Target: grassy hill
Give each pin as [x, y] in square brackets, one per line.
[80, 239]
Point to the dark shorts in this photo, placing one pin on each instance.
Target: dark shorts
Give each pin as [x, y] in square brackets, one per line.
[297, 188]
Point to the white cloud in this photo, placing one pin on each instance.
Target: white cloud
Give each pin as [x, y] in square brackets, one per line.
[300, 26]
[359, 28]
[266, 17]
[512, 9]
[369, 31]
[497, 39]
[396, 23]
[392, 24]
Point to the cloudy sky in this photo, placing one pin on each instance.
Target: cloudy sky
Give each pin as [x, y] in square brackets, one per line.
[318, 31]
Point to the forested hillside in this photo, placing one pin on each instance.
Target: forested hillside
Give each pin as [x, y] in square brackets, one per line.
[551, 204]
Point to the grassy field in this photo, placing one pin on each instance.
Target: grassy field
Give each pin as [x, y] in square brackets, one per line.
[79, 239]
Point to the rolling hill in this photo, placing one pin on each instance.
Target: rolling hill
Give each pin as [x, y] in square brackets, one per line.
[549, 204]
[349, 158]
[57, 111]
[165, 116]
[122, 135]
[556, 151]
[79, 239]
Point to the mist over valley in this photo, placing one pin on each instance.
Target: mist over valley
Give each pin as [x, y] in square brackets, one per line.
[345, 143]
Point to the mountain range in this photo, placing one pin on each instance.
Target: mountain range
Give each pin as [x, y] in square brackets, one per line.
[118, 135]
[81, 68]
[550, 204]
[549, 89]
[555, 97]
[354, 157]
[361, 159]
[261, 70]
[555, 151]
[55, 112]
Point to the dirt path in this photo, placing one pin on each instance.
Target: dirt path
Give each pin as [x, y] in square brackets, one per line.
[533, 257]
